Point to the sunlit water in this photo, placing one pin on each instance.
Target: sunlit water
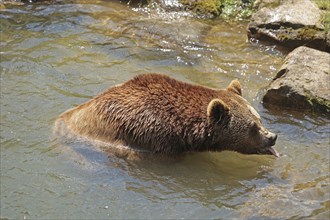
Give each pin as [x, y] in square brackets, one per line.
[57, 56]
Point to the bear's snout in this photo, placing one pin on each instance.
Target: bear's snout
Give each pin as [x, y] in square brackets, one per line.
[271, 138]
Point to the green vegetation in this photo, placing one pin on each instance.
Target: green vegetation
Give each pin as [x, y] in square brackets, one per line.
[226, 9]
[284, 37]
[326, 20]
[204, 7]
[306, 33]
[242, 9]
[324, 5]
[236, 9]
[317, 102]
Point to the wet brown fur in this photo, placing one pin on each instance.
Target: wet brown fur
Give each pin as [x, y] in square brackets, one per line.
[158, 114]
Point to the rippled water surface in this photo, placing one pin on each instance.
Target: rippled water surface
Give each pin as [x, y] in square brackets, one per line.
[56, 56]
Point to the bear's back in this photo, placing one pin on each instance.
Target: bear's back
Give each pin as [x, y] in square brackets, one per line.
[156, 112]
[150, 112]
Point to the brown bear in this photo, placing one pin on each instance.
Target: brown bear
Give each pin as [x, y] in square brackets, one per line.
[160, 115]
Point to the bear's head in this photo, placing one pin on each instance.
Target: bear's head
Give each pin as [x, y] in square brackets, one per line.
[236, 125]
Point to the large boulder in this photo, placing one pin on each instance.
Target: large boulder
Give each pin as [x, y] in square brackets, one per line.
[303, 81]
[291, 23]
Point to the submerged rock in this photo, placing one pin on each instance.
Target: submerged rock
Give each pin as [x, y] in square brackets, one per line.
[291, 23]
[303, 81]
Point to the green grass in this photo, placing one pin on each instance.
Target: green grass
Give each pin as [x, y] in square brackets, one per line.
[226, 9]
[236, 9]
[324, 5]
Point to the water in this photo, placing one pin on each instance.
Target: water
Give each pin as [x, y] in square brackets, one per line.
[56, 56]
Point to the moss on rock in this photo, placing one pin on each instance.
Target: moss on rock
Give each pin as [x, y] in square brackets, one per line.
[316, 102]
[227, 9]
[237, 9]
[208, 6]
[204, 7]
[307, 33]
[324, 5]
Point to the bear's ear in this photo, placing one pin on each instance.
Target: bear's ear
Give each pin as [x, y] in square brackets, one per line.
[216, 110]
[235, 87]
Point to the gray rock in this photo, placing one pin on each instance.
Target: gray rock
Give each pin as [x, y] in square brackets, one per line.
[291, 23]
[303, 81]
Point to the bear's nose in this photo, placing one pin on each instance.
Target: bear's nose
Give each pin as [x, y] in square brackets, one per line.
[272, 138]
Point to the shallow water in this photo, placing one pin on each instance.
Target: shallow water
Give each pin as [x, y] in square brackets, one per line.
[57, 56]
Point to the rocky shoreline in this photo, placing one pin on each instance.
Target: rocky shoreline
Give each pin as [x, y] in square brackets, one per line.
[303, 81]
[300, 26]
[289, 24]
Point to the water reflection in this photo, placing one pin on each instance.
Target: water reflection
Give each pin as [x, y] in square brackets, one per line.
[213, 183]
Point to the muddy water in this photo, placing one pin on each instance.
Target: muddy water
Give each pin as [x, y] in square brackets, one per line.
[56, 56]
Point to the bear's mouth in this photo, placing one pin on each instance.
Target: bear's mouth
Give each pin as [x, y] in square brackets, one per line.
[270, 150]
